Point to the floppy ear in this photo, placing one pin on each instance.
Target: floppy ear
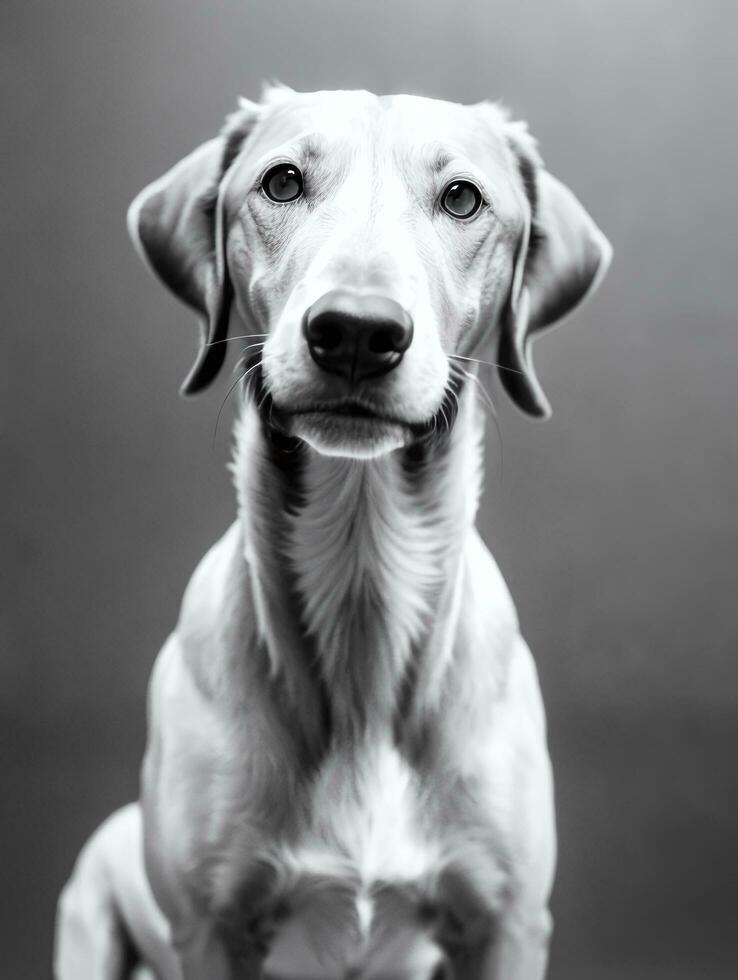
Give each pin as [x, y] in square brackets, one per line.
[177, 226]
[562, 257]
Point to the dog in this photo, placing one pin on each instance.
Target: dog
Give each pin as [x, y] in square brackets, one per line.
[346, 772]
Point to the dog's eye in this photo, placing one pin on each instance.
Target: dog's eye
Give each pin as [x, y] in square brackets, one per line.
[461, 199]
[282, 183]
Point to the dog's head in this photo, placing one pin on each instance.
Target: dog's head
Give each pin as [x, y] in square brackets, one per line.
[367, 245]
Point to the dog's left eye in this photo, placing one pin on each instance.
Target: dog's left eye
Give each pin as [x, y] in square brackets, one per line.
[282, 183]
[461, 199]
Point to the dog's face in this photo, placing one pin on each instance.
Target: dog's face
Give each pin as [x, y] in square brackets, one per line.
[397, 227]
[372, 242]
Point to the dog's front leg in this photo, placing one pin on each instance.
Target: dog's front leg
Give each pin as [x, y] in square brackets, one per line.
[107, 910]
[204, 955]
[518, 950]
[202, 948]
[183, 797]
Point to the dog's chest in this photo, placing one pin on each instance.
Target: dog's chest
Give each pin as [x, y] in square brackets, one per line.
[357, 871]
[365, 813]
[373, 876]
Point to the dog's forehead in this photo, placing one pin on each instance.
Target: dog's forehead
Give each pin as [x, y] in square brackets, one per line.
[404, 122]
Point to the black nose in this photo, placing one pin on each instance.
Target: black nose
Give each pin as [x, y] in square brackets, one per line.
[357, 336]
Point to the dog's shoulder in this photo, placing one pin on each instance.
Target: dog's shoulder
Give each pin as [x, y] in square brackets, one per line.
[489, 620]
[217, 614]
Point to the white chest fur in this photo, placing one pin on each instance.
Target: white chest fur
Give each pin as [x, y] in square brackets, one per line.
[365, 816]
[357, 873]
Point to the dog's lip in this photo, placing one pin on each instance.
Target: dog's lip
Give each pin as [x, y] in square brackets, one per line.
[348, 407]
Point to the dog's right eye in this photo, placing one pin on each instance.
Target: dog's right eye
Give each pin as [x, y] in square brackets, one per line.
[282, 183]
[462, 199]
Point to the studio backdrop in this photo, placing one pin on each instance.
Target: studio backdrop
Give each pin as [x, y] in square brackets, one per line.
[614, 523]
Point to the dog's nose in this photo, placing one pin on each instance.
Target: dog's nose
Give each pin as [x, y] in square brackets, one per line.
[357, 336]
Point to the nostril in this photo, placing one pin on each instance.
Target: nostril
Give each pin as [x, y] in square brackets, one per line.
[328, 334]
[382, 342]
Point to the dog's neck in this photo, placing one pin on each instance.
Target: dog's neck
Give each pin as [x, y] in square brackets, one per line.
[355, 568]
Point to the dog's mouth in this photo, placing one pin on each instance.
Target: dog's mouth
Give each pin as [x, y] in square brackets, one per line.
[348, 428]
[352, 425]
[348, 409]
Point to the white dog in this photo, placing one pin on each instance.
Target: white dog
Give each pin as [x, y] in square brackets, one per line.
[346, 772]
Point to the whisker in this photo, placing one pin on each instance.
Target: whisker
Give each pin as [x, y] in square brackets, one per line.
[455, 395]
[454, 409]
[241, 377]
[245, 358]
[487, 398]
[259, 343]
[245, 336]
[489, 403]
[222, 405]
[476, 360]
[261, 400]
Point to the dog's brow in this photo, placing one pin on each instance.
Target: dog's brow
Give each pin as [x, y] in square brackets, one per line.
[439, 158]
[441, 161]
[311, 147]
[315, 154]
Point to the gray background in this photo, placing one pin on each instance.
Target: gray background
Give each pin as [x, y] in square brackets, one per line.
[614, 523]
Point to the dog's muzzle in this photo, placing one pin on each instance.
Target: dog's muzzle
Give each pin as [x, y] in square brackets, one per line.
[357, 336]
